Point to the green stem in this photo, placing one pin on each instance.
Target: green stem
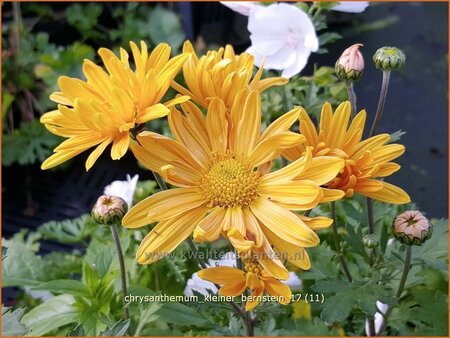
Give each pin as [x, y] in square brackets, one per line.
[351, 98]
[370, 223]
[401, 286]
[337, 243]
[381, 102]
[123, 276]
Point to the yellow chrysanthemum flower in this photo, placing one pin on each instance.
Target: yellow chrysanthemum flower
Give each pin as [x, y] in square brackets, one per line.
[254, 277]
[104, 108]
[364, 160]
[221, 74]
[221, 165]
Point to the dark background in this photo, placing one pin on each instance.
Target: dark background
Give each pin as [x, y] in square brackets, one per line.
[417, 103]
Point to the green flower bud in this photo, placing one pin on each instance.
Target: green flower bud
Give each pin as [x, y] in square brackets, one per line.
[389, 58]
[412, 228]
[349, 67]
[109, 210]
[370, 241]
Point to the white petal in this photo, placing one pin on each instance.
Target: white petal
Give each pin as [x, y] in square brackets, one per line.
[195, 283]
[241, 7]
[123, 189]
[298, 65]
[293, 282]
[228, 259]
[351, 6]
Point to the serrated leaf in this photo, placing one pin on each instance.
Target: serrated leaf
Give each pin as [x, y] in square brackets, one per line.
[4, 252]
[11, 325]
[78, 331]
[51, 315]
[68, 231]
[337, 308]
[72, 287]
[22, 266]
[328, 37]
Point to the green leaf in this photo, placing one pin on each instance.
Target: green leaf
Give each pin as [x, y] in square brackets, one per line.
[328, 37]
[51, 315]
[336, 308]
[11, 325]
[22, 266]
[148, 315]
[78, 331]
[118, 330]
[165, 26]
[104, 259]
[8, 99]
[180, 314]
[84, 18]
[68, 231]
[72, 287]
[29, 144]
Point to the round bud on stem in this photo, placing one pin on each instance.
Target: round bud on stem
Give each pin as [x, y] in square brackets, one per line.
[109, 210]
[370, 241]
[349, 67]
[412, 228]
[389, 58]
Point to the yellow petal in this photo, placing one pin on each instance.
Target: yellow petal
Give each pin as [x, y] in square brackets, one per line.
[300, 195]
[284, 223]
[296, 255]
[389, 194]
[163, 205]
[270, 261]
[338, 126]
[308, 129]
[282, 124]
[60, 157]
[222, 275]
[322, 169]
[235, 289]
[167, 235]
[248, 129]
[210, 228]
[387, 153]
[153, 112]
[253, 230]
[387, 169]
[120, 146]
[290, 171]
[272, 146]
[278, 289]
[330, 195]
[317, 223]
[256, 297]
[368, 186]
[217, 125]
[96, 153]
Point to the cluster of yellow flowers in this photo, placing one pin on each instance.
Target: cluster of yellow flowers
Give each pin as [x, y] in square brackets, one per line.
[219, 163]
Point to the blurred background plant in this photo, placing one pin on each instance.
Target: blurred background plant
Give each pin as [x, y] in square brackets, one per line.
[60, 272]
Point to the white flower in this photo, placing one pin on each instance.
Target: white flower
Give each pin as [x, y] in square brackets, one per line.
[241, 7]
[282, 37]
[293, 282]
[378, 318]
[123, 189]
[351, 6]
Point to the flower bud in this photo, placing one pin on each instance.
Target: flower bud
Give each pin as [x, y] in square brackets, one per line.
[350, 65]
[412, 228]
[389, 58]
[370, 241]
[109, 210]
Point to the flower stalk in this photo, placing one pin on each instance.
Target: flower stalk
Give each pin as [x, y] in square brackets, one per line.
[381, 101]
[337, 243]
[123, 278]
[401, 286]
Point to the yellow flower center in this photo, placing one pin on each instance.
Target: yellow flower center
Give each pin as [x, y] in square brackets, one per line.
[253, 266]
[229, 181]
